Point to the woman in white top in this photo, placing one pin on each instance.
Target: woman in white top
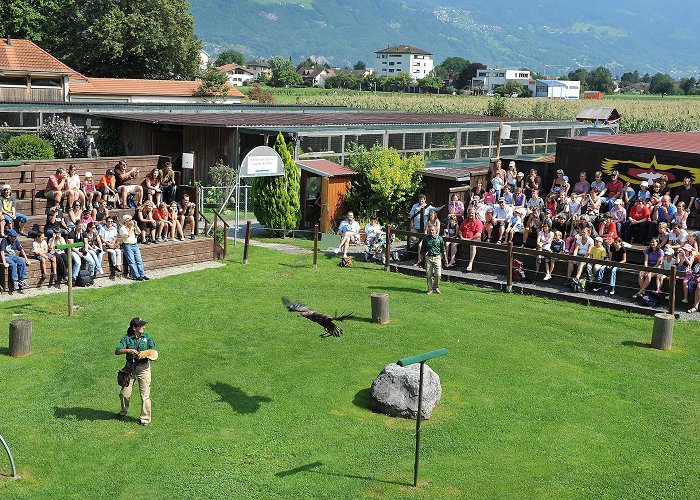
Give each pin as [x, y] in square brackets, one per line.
[372, 230]
[73, 190]
[511, 176]
[582, 248]
[110, 244]
[544, 244]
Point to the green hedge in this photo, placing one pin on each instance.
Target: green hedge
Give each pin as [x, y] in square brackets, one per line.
[28, 147]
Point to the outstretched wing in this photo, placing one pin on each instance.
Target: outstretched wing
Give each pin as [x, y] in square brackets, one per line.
[325, 320]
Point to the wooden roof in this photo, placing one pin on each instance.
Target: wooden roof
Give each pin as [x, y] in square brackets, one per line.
[134, 86]
[681, 142]
[324, 168]
[24, 56]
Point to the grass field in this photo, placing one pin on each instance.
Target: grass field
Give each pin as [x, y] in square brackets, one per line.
[540, 398]
[638, 113]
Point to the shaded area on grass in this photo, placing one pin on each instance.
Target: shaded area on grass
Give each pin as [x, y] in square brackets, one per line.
[634, 343]
[239, 401]
[416, 289]
[310, 467]
[361, 399]
[80, 413]
[4, 351]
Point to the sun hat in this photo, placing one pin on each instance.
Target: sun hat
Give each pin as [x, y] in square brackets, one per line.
[644, 184]
[619, 202]
[126, 217]
[520, 174]
[6, 186]
[511, 164]
[88, 174]
[598, 238]
[688, 247]
[669, 251]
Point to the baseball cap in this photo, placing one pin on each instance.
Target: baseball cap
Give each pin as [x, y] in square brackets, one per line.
[6, 186]
[126, 217]
[598, 238]
[137, 322]
[669, 251]
[88, 174]
[644, 183]
[12, 232]
[520, 174]
[501, 199]
[619, 202]
[110, 171]
[511, 164]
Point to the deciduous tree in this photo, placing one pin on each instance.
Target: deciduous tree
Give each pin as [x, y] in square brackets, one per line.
[600, 79]
[661, 83]
[385, 182]
[230, 57]
[214, 85]
[128, 38]
[283, 72]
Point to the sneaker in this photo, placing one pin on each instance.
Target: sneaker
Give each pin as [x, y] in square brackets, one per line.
[192, 236]
[42, 276]
[23, 284]
[596, 289]
[16, 285]
[145, 278]
[547, 277]
[144, 424]
[336, 250]
[612, 291]
[685, 301]
[469, 267]
[429, 292]
[437, 290]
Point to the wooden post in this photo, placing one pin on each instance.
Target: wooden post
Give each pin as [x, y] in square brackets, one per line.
[662, 334]
[387, 254]
[672, 292]
[20, 337]
[315, 246]
[380, 308]
[509, 268]
[215, 252]
[247, 242]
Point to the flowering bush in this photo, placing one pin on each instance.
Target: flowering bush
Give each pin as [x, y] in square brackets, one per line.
[68, 140]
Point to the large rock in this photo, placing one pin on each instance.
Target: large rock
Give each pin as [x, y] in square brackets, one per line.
[395, 391]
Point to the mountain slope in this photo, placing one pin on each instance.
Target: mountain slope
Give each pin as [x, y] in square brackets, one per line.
[624, 35]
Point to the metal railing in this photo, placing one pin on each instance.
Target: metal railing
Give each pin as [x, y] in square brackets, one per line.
[222, 198]
[220, 246]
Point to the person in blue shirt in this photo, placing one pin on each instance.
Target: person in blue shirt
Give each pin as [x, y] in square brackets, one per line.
[15, 259]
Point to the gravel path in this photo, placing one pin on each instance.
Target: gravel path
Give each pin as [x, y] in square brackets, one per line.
[104, 282]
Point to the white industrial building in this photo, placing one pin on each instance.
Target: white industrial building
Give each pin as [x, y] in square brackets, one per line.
[487, 80]
[403, 59]
[555, 89]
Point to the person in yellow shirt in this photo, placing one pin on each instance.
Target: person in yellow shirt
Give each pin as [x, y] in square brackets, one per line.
[598, 252]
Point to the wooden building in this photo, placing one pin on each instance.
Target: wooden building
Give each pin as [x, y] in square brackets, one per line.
[441, 179]
[637, 157]
[324, 186]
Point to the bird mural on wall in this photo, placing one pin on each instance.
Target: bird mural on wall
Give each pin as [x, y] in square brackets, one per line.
[325, 320]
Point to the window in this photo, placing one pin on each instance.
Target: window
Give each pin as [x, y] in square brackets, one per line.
[482, 74]
[13, 81]
[391, 70]
[51, 83]
[392, 63]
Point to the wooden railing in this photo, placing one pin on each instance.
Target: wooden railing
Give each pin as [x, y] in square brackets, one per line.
[508, 253]
[220, 247]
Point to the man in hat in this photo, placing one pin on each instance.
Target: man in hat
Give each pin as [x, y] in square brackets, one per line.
[10, 251]
[10, 216]
[129, 233]
[139, 348]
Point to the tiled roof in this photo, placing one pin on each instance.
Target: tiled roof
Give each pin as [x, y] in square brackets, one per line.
[403, 49]
[261, 64]
[26, 56]
[325, 168]
[232, 67]
[132, 86]
[683, 142]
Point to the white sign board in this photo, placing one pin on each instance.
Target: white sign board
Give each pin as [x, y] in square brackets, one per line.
[187, 161]
[262, 161]
[505, 132]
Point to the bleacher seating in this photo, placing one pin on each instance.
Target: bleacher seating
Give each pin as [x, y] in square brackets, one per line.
[29, 179]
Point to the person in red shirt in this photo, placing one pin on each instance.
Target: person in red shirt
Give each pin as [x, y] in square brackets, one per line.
[613, 190]
[164, 225]
[56, 185]
[607, 230]
[471, 229]
[637, 224]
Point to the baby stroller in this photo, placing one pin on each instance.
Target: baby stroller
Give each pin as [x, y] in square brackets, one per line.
[375, 249]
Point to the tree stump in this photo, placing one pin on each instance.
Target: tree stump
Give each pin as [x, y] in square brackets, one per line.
[380, 308]
[20, 337]
[662, 334]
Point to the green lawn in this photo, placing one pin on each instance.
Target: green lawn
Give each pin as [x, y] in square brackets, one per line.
[540, 398]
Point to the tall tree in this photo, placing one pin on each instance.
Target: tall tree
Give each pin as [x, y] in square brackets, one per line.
[128, 38]
[600, 79]
[230, 57]
[451, 67]
[661, 83]
[630, 77]
[30, 19]
[276, 199]
[283, 72]
[687, 84]
[579, 74]
[360, 65]
[465, 76]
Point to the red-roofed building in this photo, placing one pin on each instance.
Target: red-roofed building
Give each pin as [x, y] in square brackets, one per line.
[30, 74]
[237, 75]
[324, 187]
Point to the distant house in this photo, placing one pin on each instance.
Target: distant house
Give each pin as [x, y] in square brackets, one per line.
[204, 58]
[403, 59]
[316, 76]
[237, 75]
[30, 74]
[258, 67]
[131, 90]
[488, 80]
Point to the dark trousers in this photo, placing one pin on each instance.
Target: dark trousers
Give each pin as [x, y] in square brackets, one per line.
[638, 232]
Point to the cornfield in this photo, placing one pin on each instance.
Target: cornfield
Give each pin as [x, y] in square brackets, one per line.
[637, 114]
